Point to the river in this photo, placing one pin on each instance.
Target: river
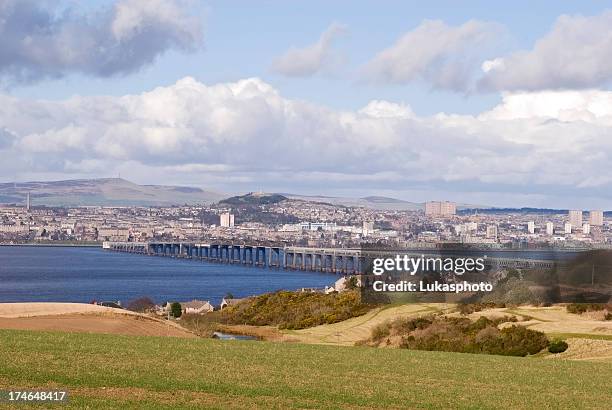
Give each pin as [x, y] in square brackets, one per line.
[80, 274]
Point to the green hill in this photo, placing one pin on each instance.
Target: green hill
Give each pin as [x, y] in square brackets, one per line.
[108, 371]
[253, 199]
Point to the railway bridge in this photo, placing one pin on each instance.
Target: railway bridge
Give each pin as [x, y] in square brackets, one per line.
[332, 260]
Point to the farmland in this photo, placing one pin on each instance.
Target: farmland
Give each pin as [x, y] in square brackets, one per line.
[114, 371]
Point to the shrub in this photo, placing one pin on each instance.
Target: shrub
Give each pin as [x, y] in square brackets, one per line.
[468, 308]
[557, 346]
[381, 331]
[352, 283]
[294, 310]
[579, 308]
[462, 335]
[176, 310]
[608, 316]
[143, 304]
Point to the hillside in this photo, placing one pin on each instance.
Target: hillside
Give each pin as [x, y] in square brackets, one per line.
[113, 371]
[253, 199]
[103, 192]
[374, 202]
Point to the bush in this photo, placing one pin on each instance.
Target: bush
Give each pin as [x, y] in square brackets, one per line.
[608, 316]
[468, 308]
[294, 310]
[579, 308]
[557, 346]
[352, 283]
[176, 310]
[380, 332]
[143, 304]
[452, 334]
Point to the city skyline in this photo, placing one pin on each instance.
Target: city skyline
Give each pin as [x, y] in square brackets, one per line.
[468, 105]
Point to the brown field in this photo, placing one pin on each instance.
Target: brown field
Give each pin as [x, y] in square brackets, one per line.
[28, 309]
[84, 318]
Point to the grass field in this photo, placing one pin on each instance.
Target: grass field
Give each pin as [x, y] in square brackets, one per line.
[112, 371]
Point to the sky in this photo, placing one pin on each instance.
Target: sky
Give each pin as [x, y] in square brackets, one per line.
[503, 106]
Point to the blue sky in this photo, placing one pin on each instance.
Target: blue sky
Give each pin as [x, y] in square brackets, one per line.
[241, 38]
[505, 104]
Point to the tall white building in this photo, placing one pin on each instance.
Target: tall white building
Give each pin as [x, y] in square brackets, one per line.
[492, 232]
[575, 218]
[531, 227]
[596, 218]
[368, 228]
[226, 220]
[440, 208]
[586, 229]
[568, 227]
[550, 228]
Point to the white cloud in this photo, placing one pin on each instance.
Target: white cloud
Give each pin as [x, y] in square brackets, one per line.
[386, 109]
[575, 54]
[38, 40]
[445, 56]
[589, 105]
[312, 59]
[532, 145]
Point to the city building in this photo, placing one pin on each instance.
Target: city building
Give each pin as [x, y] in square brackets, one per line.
[531, 227]
[368, 228]
[567, 228]
[440, 208]
[575, 218]
[586, 229]
[226, 220]
[492, 232]
[596, 218]
[550, 228]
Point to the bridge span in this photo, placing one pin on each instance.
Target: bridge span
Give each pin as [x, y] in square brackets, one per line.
[333, 260]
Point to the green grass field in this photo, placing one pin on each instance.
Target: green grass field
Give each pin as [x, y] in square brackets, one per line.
[108, 371]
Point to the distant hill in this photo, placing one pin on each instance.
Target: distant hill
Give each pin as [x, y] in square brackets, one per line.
[494, 211]
[374, 202]
[254, 199]
[103, 192]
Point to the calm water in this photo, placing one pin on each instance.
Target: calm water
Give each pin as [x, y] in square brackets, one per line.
[64, 274]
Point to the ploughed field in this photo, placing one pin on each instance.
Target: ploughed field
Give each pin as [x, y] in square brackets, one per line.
[118, 371]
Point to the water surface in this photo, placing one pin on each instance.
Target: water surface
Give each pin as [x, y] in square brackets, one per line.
[73, 274]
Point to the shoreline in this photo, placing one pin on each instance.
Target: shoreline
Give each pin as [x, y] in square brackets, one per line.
[55, 245]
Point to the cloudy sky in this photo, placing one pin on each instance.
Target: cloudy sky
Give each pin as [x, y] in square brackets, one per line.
[505, 106]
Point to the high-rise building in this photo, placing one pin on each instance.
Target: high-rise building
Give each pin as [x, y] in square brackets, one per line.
[575, 218]
[567, 227]
[440, 208]
[550, 228]
[492, 232]
[28, 203]
[531, 227]
[368, 228]
[586, 229]
[596, 218]
[227, 220]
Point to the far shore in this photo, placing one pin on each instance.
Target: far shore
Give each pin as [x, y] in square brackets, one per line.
[56, 245]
